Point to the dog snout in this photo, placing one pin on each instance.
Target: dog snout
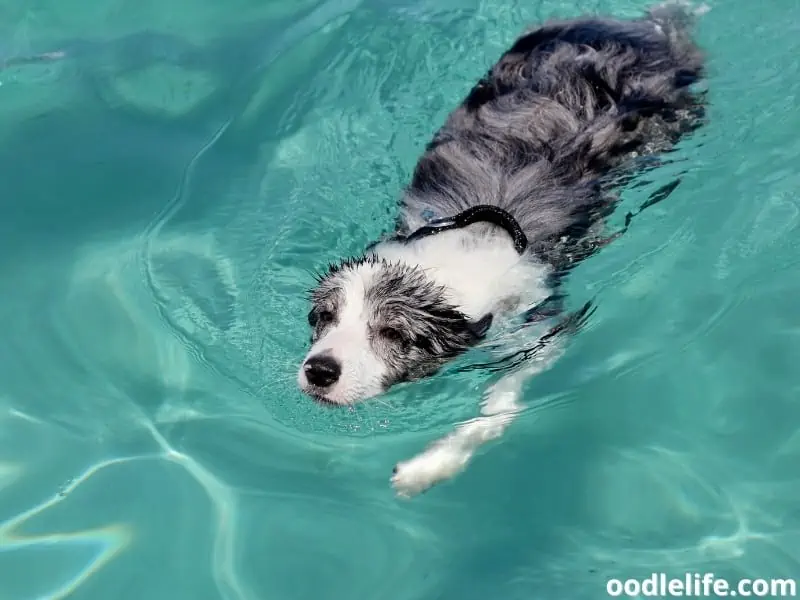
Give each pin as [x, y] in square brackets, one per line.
[322, 371]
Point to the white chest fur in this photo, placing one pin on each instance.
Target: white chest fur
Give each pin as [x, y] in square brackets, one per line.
[482, 273]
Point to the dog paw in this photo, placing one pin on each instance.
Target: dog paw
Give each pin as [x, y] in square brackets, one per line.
[433, 466]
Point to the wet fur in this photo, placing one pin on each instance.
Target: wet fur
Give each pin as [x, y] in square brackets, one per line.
[546, 134]
[431, 329]
[564, 106]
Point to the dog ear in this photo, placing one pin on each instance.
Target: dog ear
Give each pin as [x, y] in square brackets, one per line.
[479, 328]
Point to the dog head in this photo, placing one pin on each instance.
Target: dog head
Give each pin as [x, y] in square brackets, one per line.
[377, 322]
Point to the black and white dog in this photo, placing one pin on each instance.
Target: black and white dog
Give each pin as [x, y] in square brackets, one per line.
[507, 196]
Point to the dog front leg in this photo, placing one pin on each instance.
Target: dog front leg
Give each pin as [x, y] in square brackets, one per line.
[448, 456]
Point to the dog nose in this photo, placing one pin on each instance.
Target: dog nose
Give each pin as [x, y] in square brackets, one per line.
[322, 371]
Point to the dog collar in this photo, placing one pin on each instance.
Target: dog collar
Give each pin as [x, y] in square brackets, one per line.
[483, 213]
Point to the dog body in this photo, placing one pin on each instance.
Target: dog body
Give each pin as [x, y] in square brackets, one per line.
[510, 193]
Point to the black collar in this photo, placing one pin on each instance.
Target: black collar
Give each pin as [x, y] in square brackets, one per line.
[476, 214]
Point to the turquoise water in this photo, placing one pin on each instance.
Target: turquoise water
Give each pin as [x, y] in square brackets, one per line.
[167, 188]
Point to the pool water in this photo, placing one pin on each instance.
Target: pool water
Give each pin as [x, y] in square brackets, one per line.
[169, 187]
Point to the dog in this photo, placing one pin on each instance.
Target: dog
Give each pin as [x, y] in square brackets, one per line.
[507, 197]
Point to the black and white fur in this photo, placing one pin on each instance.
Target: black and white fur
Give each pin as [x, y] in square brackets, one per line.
[538, 135]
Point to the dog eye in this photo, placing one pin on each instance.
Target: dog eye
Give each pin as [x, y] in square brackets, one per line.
[319, 318]
[391, 334]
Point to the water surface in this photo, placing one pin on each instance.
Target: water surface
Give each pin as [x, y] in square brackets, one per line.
[170, 185]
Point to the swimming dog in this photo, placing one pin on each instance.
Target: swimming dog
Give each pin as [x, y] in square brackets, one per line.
[508, 196]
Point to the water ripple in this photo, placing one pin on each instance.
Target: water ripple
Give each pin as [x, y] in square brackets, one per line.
[149, 416]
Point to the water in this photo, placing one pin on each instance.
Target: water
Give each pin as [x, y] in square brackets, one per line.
[170, 185]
